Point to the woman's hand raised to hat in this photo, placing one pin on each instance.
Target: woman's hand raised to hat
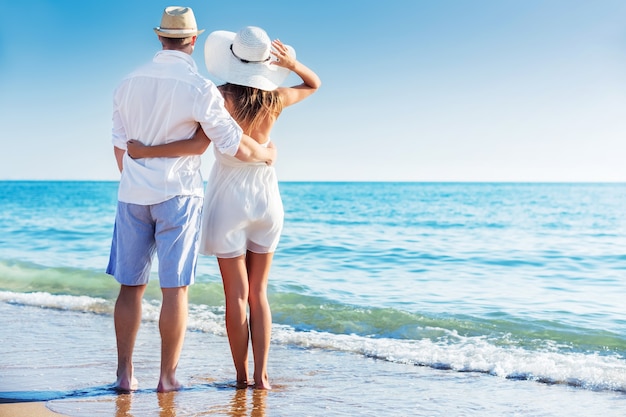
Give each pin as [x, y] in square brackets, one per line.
[281, 53]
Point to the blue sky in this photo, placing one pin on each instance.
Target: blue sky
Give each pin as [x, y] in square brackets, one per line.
[421, 90]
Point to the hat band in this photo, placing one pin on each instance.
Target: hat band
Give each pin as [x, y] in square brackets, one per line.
[245, 61]
[178, 31]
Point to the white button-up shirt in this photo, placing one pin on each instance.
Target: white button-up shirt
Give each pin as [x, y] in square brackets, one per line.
[162, 102]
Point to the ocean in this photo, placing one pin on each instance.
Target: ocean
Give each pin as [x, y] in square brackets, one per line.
[388, 299]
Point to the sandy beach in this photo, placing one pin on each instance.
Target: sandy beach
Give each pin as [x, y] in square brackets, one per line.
[36, 409]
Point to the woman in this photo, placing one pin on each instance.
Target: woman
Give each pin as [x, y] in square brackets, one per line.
[243, 212]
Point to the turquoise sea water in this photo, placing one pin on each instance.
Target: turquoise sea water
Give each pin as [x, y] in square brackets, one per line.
[475, 283]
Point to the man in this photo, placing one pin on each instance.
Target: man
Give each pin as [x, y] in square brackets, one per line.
[160, 199]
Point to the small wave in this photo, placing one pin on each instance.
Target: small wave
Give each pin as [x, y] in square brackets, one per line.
[474, 354]
[58, 302]
[28, 277]
[314, 313]
[437, 347]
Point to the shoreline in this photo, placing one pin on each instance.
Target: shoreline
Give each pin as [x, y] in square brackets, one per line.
[72, 356]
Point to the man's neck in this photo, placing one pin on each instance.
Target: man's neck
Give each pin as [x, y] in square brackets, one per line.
[188, 49]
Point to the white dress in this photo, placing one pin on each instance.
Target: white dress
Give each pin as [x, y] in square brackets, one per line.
[242, 208]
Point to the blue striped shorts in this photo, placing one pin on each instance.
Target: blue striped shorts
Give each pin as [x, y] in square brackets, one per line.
[170, 229]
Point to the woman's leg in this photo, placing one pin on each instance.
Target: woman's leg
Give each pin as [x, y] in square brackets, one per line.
[235, 279]
[260, 314]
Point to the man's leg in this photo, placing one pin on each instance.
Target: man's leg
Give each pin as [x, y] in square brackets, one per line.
[127, 318]
[176, 234]
[173, 325]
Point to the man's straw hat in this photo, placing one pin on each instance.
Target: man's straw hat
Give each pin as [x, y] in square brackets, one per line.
[178, 22]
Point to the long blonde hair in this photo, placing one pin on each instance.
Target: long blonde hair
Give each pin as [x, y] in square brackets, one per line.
[251, 106]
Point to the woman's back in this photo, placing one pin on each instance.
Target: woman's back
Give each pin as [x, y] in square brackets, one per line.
[255, 110]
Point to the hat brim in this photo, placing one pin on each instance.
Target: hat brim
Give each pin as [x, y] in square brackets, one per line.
[221, 63]
[177, 34]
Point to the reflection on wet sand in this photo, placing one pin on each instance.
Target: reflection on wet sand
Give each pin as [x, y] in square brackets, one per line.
[243, 403]
[167, 403]
[239, 404]
[122, 405]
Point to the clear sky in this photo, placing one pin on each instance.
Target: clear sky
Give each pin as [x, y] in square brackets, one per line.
[413, 90]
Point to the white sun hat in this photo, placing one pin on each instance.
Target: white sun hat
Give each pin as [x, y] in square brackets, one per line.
[243, 58]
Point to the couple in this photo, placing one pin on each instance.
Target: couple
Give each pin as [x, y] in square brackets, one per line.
[165, 115]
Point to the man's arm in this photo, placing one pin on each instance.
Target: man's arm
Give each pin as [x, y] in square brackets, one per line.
[119, 157]
[197, 145]
[250, 151]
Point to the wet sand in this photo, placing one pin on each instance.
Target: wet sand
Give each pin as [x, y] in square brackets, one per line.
[65, 363]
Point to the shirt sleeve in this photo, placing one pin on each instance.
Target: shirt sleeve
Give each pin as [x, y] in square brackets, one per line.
[217, 123]
[118, 133]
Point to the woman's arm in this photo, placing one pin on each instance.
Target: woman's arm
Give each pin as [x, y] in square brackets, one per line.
[197, 145]
[310, 81]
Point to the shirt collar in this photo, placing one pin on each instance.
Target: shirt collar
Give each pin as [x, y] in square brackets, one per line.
[174, 56]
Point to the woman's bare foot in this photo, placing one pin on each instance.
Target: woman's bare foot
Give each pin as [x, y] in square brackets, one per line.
[242, 379]
[262, 381]
[262, 384]
[241, 384]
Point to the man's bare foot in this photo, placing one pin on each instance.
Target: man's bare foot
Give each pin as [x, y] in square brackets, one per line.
[262, 385]
[124, 384]
[166, 385]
